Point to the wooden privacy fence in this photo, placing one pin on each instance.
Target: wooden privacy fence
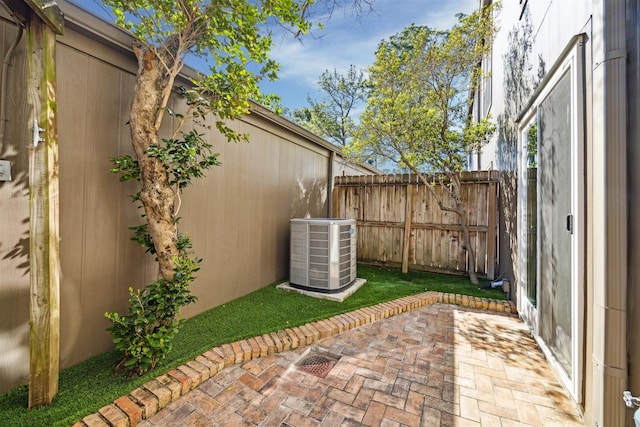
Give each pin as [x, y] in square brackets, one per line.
[399, 223]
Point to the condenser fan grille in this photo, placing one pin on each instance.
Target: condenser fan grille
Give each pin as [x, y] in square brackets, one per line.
[323, 253]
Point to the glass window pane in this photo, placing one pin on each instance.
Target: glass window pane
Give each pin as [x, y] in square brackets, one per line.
[554, 221]
[531, 138]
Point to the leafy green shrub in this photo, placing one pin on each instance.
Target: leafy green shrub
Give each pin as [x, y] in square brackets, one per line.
[146, 335]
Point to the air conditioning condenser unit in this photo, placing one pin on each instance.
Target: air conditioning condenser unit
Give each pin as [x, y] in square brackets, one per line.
[323, 254]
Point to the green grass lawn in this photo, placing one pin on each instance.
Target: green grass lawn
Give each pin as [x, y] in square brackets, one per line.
[85, 388]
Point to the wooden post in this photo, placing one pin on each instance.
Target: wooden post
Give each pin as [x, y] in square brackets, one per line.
[492, 228]
[408, 209]
[43, 204]
[335, 206]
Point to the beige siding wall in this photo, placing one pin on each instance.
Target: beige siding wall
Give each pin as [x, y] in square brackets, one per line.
[238, 216]
[14, 225]
[98, 260]
[633, 85]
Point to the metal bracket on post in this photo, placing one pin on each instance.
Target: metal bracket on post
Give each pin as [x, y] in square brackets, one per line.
[36, 133]
[630, 400]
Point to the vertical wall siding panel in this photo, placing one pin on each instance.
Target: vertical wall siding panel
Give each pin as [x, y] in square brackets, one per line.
[208, 229]
[269, 176]
[72, 185]
[254, 243]
[101, 225]
[268, 230]
[100, 190]
[14, 225]
[229, 226]
[246, 217]
[253, 219]
[244, 220]
[96, 252]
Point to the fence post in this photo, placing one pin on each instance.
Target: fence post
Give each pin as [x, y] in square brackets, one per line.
[44, 257]
[408, 209]
[335, 206]
[492, 235]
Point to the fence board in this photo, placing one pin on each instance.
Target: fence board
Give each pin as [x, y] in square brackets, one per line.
[407, 227]
[401, 225]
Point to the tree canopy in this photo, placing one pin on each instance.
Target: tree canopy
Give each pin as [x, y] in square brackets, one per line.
[228, 34]
[422, 82]
[332, 116]
[419, 111]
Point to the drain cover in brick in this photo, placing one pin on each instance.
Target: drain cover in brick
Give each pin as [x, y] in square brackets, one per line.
[316, 364]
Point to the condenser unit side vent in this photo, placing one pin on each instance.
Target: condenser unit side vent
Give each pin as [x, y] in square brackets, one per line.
[323, 254]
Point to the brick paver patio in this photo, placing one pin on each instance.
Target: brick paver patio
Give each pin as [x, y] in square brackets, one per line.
[435, 365]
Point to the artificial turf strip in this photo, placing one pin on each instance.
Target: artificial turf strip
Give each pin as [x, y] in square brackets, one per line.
[87, 387]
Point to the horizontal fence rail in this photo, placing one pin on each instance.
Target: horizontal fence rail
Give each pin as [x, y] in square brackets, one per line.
[400, 224]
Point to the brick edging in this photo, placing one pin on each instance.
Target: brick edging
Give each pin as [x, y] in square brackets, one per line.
[146, 400]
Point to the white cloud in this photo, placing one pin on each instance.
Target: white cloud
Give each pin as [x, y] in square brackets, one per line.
[347, 40]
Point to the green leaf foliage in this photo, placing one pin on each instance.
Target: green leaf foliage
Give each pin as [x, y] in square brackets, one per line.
[419, 114]
[233, 37]
[185, 159]
[127, 167]
[422, 85]
[228, 34]
[145, 336]
[332, 117]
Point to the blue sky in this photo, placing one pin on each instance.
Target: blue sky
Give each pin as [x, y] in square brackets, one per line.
[345, 40]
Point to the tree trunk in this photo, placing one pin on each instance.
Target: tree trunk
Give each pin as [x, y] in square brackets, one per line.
[462, 216]
[156, 195]
[461, 211]
[471, 254]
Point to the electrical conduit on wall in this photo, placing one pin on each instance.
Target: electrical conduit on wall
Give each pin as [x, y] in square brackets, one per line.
[6, 62]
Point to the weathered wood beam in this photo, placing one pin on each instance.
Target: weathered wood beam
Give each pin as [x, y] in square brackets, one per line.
[422, 226]
[44, 206]
[49, 12]
[406, 241]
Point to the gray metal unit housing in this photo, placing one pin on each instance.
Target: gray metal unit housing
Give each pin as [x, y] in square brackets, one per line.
[323, 253]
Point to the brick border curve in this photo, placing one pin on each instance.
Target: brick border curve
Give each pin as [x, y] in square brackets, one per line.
[146, 400]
